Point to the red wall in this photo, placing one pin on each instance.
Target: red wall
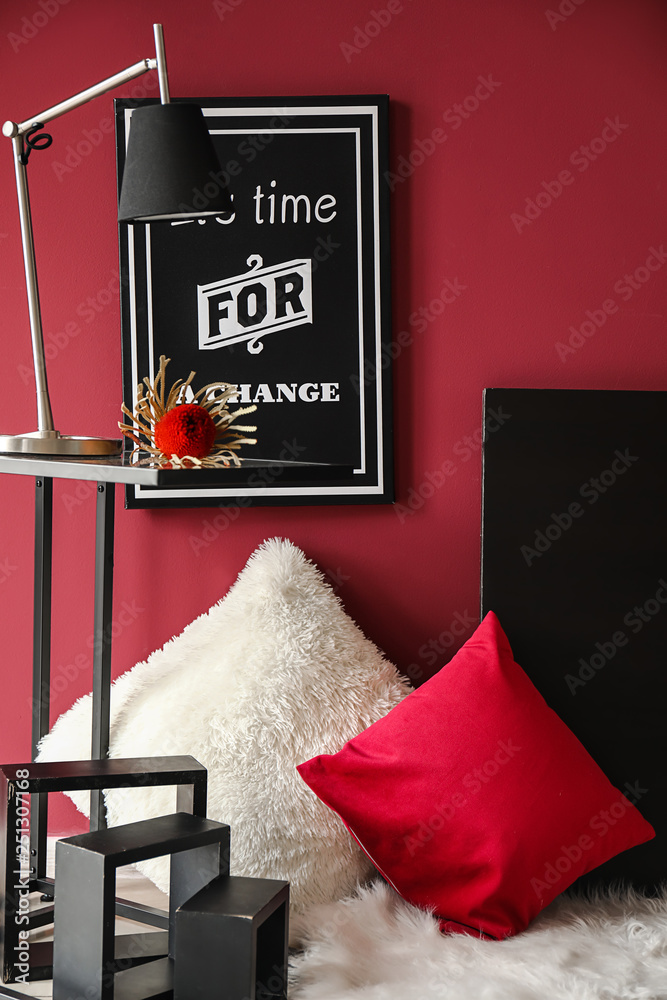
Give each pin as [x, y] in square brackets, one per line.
[557, 75]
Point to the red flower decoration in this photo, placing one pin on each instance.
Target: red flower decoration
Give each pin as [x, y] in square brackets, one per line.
[188, 429]
[180, 435]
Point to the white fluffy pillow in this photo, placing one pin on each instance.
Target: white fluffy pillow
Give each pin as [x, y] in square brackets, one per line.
[272, 675]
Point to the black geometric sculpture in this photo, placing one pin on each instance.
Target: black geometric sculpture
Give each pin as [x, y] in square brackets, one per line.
[22, 780]
[231, 941]
[224, 937]
[83, 954]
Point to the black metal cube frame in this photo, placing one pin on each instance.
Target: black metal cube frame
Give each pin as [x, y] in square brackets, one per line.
[84, 962]
[40, 779]
[231, 941]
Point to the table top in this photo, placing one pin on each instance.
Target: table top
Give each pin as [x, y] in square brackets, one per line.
[120, 470]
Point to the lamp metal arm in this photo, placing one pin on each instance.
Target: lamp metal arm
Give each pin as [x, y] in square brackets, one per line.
[161, 63]
[13, 129]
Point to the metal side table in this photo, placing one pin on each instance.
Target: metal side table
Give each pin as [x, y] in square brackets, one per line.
[106, 472]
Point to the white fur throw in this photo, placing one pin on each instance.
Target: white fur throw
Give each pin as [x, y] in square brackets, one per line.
[273, 674]
[377, 947]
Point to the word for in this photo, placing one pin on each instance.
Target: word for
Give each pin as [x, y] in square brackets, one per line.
[228, 514]
[249, 306]
[473, 781]
[465, 448]
[635, 620]
[449, 293]
[600, 825]
[580, 158]
[566, 9]
[454, 116]
[362, 37]
[283, 392]
[591, 491]
[251, 302]
[31, 25]
[625, 288]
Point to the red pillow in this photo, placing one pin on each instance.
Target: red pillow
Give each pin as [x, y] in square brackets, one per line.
[473, 799]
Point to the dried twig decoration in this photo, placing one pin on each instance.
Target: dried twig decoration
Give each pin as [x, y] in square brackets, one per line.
[186, 435]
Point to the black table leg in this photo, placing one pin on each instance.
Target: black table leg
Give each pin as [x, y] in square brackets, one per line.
[41, 661]
[104, 531]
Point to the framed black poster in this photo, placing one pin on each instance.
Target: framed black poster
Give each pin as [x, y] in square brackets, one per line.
[287, 297]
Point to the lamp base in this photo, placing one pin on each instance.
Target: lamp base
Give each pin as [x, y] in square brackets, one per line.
[55, 443]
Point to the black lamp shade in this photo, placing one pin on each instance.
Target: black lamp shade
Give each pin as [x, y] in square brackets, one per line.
[171, 168]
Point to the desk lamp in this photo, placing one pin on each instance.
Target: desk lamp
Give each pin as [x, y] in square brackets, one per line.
[169, 157]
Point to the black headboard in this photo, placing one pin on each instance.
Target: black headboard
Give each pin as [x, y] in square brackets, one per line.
[574, 563]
